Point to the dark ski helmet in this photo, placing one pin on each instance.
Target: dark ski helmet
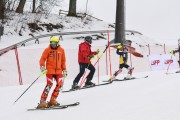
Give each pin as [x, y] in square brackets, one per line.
[125, 48]
[88, 39]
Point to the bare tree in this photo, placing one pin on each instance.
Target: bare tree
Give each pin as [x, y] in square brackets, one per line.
[2, 9]
[20, 7]
[72, 8]
[10, 5]
[34, 6]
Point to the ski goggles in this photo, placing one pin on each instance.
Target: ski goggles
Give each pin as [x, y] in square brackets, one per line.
[53, 43]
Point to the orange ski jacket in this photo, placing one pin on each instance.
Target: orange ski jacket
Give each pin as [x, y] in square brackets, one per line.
[55, 60]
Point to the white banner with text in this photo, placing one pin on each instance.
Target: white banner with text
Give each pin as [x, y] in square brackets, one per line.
[163, 62]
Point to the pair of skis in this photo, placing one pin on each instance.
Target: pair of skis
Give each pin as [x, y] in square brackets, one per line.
[106, 83]
[124, 79]
[85, 87]
[172, 72]
[56, 107]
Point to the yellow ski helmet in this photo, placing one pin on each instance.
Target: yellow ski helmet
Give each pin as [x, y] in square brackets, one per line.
[54, 39]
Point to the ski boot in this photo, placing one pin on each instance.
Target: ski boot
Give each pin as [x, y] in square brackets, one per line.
[75, 86]
[129, 75]
[53, 102]
[43, 104]
[114, 75]
[89, 84]
[112, 78]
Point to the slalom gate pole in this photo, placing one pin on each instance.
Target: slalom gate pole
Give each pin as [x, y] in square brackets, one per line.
[106, 64]
[41, 74]
[168, 66]
[110, 65]
[98, 72]
[82, 82]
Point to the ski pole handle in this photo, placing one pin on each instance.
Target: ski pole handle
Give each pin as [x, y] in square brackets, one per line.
[43, 73]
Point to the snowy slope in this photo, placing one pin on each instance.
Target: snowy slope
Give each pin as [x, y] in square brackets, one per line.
[153, 98]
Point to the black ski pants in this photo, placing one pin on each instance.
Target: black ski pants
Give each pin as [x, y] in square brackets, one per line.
[82, 67]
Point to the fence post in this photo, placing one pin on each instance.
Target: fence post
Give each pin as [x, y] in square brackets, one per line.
[18, 65]
[164, 48]
[60, 12]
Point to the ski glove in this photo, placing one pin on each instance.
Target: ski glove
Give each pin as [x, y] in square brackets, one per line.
[172, 52]
[42, 68]
[64, 73]
[91, 57]
[99, 55]
[98, 51]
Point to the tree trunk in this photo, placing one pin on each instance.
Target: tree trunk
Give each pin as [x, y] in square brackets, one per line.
[34, 6]
[20, 7]
[120, 22]
[72, 8]
[2, 9]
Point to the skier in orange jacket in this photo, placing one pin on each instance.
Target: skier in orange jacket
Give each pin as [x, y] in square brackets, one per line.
[54, 61]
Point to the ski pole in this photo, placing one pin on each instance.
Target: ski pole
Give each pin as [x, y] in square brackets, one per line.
[41, 74]
[84, 74]
[100, 56]
[83, 79]
[85, 71]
